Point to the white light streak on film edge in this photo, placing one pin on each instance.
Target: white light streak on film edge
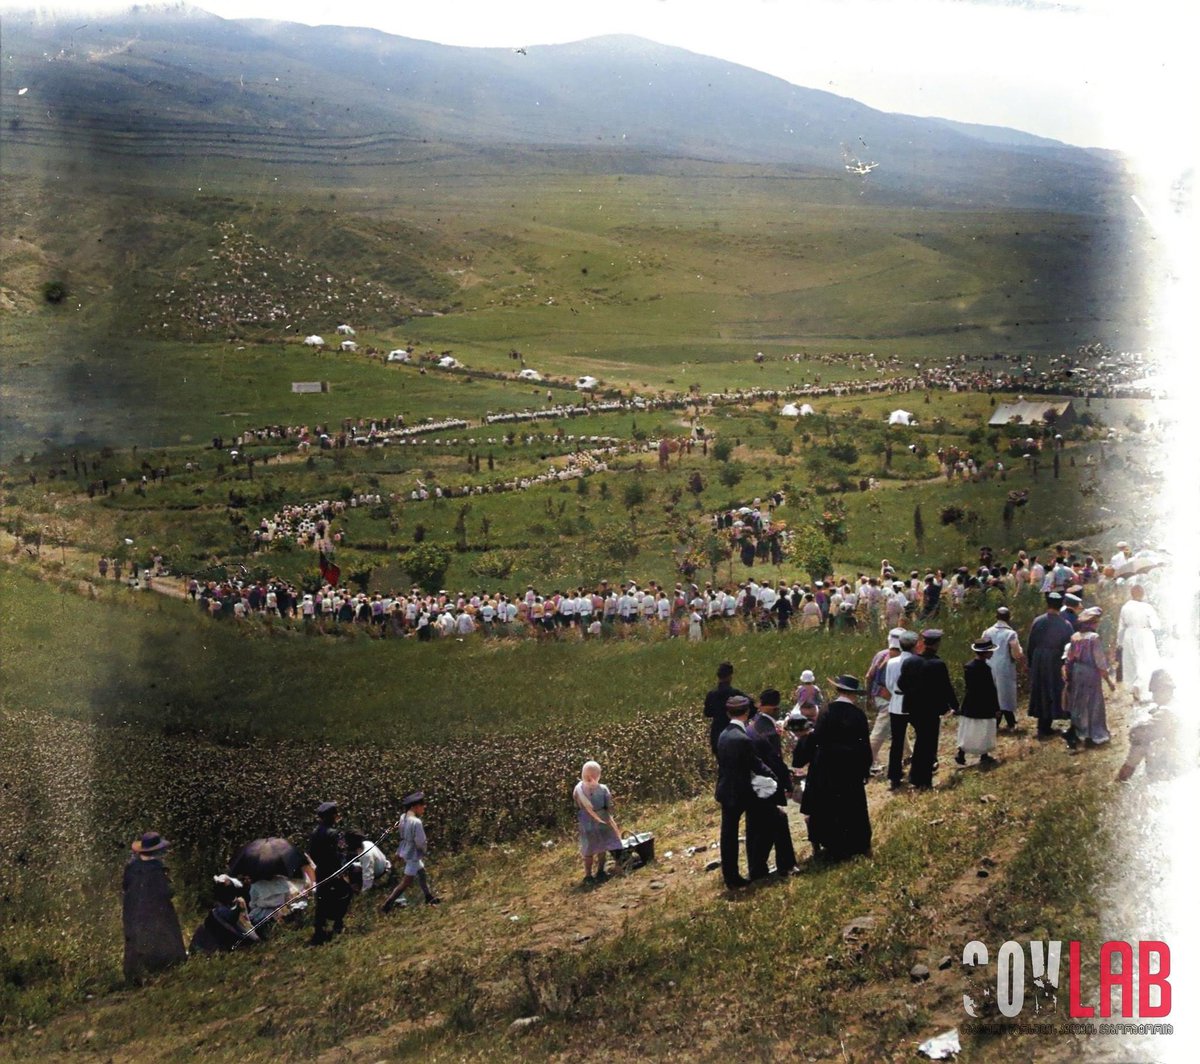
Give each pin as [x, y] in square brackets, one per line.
[1171, 298]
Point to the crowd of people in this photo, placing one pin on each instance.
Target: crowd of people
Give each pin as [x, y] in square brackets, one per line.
[835, 749]
[821, 752]
[838, 604]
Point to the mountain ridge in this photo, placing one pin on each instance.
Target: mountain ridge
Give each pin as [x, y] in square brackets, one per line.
[180, 80]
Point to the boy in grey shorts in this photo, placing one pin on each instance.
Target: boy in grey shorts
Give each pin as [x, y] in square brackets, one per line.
[411, 853]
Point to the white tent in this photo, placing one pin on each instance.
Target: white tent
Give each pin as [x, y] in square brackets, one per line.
[529, 375]
[345, 330]
[314, 341]
[349, 345]
[900, 417]
[399, 355]
[448, 362]
[806, 410]
[791, 410]
[586, 383]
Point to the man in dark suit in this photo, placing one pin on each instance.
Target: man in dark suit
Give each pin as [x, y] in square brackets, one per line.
[714, 703]
[764, 733]
[736, 764]
[928, 696]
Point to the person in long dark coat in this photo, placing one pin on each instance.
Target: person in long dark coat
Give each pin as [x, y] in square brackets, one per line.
[714, 703]
[327, 849]
[1048, 637]
[153, 939]
[764, 733]
[928, 696]
[838, 749]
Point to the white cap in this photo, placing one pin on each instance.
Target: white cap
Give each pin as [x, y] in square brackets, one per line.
[807, 676]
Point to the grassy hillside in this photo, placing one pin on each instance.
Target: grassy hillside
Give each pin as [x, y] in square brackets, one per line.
[115, 746]
[648, 282]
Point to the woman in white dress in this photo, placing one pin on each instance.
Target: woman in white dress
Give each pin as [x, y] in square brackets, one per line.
[1135, 640]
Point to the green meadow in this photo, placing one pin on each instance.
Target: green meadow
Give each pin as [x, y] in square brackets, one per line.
[184, 288]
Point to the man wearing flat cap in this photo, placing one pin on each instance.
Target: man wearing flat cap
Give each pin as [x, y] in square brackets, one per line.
[1048, 637]
[327, 849]
[928, 695]
[737, 765]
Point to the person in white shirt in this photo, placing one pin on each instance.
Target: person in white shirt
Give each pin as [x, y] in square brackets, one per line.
[465, 624]
[566, 610]
[647, 607]
[1037, 573]
[1121, 558]
[662, 606]
[898, 718]
[370, 864]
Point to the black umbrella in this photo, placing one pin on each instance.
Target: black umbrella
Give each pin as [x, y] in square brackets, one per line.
[265, 858]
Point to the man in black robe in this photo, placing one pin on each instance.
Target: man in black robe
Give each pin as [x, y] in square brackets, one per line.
[838, 749]
[764, 733]
[928, 696]
[714, 703]
[327, 849]
[1048, 636]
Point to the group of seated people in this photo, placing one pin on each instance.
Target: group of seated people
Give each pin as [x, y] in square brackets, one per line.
[247, 910]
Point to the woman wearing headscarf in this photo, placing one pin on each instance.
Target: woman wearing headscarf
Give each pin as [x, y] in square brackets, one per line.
[1085, 668]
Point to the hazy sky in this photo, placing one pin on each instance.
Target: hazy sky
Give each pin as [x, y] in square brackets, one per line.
[1082, 72]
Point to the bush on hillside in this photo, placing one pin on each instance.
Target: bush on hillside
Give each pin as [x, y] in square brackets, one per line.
[426, 565]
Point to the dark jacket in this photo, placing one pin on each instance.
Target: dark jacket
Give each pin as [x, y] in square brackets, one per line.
[714, 709]
[327, 850]
[835, 795]
[924, 682]
[980, 702]
[736, 763]
[769, 750]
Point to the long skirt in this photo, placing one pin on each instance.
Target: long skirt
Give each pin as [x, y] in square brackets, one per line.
[977, 736]
[1085, 700]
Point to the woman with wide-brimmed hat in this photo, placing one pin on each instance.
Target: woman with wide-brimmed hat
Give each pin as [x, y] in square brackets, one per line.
[153, 939]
